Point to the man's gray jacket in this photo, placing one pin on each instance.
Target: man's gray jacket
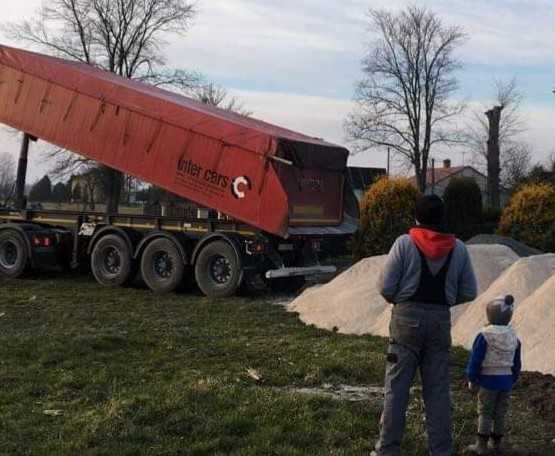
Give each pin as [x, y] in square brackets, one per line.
[401, 275]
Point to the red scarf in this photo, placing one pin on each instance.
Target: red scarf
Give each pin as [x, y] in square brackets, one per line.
[432, 244]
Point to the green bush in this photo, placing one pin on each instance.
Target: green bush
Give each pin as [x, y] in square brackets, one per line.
[386, 212]
[463, 207]
[530, 216]
[490, 219]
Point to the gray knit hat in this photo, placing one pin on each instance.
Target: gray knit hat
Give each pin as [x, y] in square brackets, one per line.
[500, 310]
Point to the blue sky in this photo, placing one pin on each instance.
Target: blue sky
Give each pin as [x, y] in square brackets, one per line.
[295, 62]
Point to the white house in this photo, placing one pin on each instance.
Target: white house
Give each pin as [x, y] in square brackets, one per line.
[437, 179]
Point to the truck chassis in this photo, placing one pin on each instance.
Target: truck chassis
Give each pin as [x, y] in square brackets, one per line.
[221, 256]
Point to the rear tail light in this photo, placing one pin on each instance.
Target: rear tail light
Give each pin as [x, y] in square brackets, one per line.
[39, 240]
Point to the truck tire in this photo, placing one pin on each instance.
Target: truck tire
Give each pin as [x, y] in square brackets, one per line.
[111, 261]
[14, 255]
[162, 266]
[217, 270]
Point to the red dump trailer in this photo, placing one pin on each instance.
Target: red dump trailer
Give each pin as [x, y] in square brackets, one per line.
[278, 193]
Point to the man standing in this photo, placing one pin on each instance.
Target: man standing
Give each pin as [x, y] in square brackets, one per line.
[426, 273]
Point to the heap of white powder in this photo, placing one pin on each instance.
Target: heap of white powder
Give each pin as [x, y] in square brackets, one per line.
[351, 303]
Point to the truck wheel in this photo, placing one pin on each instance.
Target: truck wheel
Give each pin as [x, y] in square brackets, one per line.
[217, 270]
[162, 267]
[111, 262]
[287, 284]
[14, 255]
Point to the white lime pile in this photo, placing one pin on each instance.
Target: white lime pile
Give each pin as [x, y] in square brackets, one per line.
[534, 319]
[521, 280]
[351, 303]
[489, 262]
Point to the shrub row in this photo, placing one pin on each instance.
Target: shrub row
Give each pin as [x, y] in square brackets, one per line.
[387, 211]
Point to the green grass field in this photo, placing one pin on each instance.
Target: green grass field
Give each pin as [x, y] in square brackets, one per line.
[92, 371]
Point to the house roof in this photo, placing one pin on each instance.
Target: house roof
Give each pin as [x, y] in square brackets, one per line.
[444, 173]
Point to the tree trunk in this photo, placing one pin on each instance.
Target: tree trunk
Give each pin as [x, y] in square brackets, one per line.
[422, 183]
[420, 175]
[494, 167]
[112, 187]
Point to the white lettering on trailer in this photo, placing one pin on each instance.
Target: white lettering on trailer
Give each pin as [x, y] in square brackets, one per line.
[87, 229]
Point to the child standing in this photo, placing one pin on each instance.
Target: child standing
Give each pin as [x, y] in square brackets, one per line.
[493, 369]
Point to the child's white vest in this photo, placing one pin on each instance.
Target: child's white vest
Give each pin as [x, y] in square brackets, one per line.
[500, 354]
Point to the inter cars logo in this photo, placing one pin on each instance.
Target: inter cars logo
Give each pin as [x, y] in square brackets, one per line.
[239, 186]
[189, 173]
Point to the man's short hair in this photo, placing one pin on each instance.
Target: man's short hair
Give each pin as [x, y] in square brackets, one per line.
[430, 211]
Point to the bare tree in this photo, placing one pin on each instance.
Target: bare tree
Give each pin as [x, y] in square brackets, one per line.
[7, 178]
[516, 164]
[404, 100]
[508, 96]
[495, 138]
[214, 95]
[92, 182]
[88, 188]
[125, 37]
[493, 155]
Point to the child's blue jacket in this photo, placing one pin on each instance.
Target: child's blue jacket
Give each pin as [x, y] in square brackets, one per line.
[491, 382]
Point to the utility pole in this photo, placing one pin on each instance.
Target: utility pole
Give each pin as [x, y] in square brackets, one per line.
[433, 176]
[388, 161]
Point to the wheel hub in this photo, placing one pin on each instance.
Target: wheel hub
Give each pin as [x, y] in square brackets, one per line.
[112, 261]
[221, 270]
[8, 254]
[163, 265]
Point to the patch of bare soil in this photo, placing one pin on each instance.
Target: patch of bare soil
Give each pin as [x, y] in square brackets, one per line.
[538, 391]
[344, 392]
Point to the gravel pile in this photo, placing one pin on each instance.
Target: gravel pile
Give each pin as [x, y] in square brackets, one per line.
[351, 303]
[519, 248]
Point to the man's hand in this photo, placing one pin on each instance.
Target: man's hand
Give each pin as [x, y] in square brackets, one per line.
[473, 387]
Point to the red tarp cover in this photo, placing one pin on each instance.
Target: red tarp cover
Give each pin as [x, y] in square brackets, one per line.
[211, 156]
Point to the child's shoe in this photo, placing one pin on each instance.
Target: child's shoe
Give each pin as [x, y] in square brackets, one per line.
[480, 447]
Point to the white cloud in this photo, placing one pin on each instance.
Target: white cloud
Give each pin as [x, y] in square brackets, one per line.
[39, 164]
[320, 117]
[504, 33]
[315, 116]
[17, 10]
[540, 133]
[266, 45]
